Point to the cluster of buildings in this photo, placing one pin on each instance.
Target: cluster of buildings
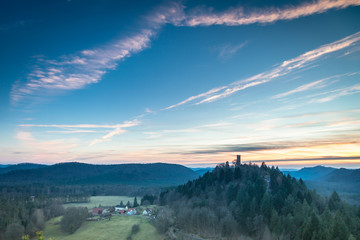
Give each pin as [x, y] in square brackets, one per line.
[120, 211]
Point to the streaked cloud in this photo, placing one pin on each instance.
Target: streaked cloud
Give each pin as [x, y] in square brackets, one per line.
[90, 65]
[283, 69]
[119, 129]
[72, 125]
[337, 93]
[271, 145]
[74, 131]
[55, 145]
[302, 88]
[238, 16]
[315, 85]
[212, 91]
[115, 129]
[80, 70]
[324, 158]
[226, 51]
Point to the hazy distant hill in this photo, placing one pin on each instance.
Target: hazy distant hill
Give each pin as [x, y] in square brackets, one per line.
[326, 180]
[343, 175]
[20, 166]
[311, 173]
[79, 173]
[202, 171]
[327, 174]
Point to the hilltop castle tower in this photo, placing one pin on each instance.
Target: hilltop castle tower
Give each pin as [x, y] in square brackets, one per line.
[238, 160]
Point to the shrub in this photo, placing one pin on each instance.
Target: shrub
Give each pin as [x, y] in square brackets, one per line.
[73, 218]
[135, 229]
[14, 231]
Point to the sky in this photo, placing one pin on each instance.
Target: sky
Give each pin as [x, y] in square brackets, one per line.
[187, 82]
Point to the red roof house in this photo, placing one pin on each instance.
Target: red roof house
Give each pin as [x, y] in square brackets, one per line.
[97, 211]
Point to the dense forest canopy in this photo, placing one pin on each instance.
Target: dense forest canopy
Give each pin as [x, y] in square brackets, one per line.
[232, 201]
[30, 194]
[160, 174]
[257, 201]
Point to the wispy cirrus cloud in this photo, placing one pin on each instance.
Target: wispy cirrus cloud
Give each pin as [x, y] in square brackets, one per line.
[71, 125]
[78, 70]
[119, 129]
[314, 85]
[238, 16]
[31, 142]
[302, 88]
[337, 93]
[226, 51]
[349, 43]
[212, 91]
[114, 129]
[73, 131]
[86, 67]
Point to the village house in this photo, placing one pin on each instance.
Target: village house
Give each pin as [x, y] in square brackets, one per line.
[131, 211]
[117, 209]
[97, 211]
[147, 212]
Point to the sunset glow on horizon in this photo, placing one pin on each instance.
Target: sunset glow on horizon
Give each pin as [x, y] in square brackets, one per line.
[191, 83]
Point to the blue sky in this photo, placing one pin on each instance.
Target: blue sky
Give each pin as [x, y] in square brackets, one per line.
[191, 82]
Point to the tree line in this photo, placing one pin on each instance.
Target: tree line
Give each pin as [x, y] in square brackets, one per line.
[23, 215]
[256, 201]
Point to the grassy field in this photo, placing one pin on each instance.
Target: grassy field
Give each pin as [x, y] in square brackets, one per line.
[118, 228]
[104, 201]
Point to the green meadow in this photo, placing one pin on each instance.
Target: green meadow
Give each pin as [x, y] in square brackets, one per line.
[118, 228]
[95, 201]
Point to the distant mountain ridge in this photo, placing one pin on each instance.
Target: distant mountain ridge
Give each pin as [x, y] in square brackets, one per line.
[311, 173]
[343, 175]
[328, 174]
[160, 174]
[202, 171]
[326, 180]
[20, 166]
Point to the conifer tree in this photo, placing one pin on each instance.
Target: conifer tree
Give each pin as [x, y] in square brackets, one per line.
[339, 230]
[135, 203]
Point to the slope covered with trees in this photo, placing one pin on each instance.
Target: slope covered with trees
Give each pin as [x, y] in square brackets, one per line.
[20, 215]
[20, 166]
[346, 182]
[81, 173]
[311, 173]
[259, 202]
[30, 196]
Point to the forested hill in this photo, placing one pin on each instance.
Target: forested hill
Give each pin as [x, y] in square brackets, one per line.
[311, 173]
[327, 174]
[159, 174]
[259, 202]
[343, 175]
[326, 180]
[20, 166]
